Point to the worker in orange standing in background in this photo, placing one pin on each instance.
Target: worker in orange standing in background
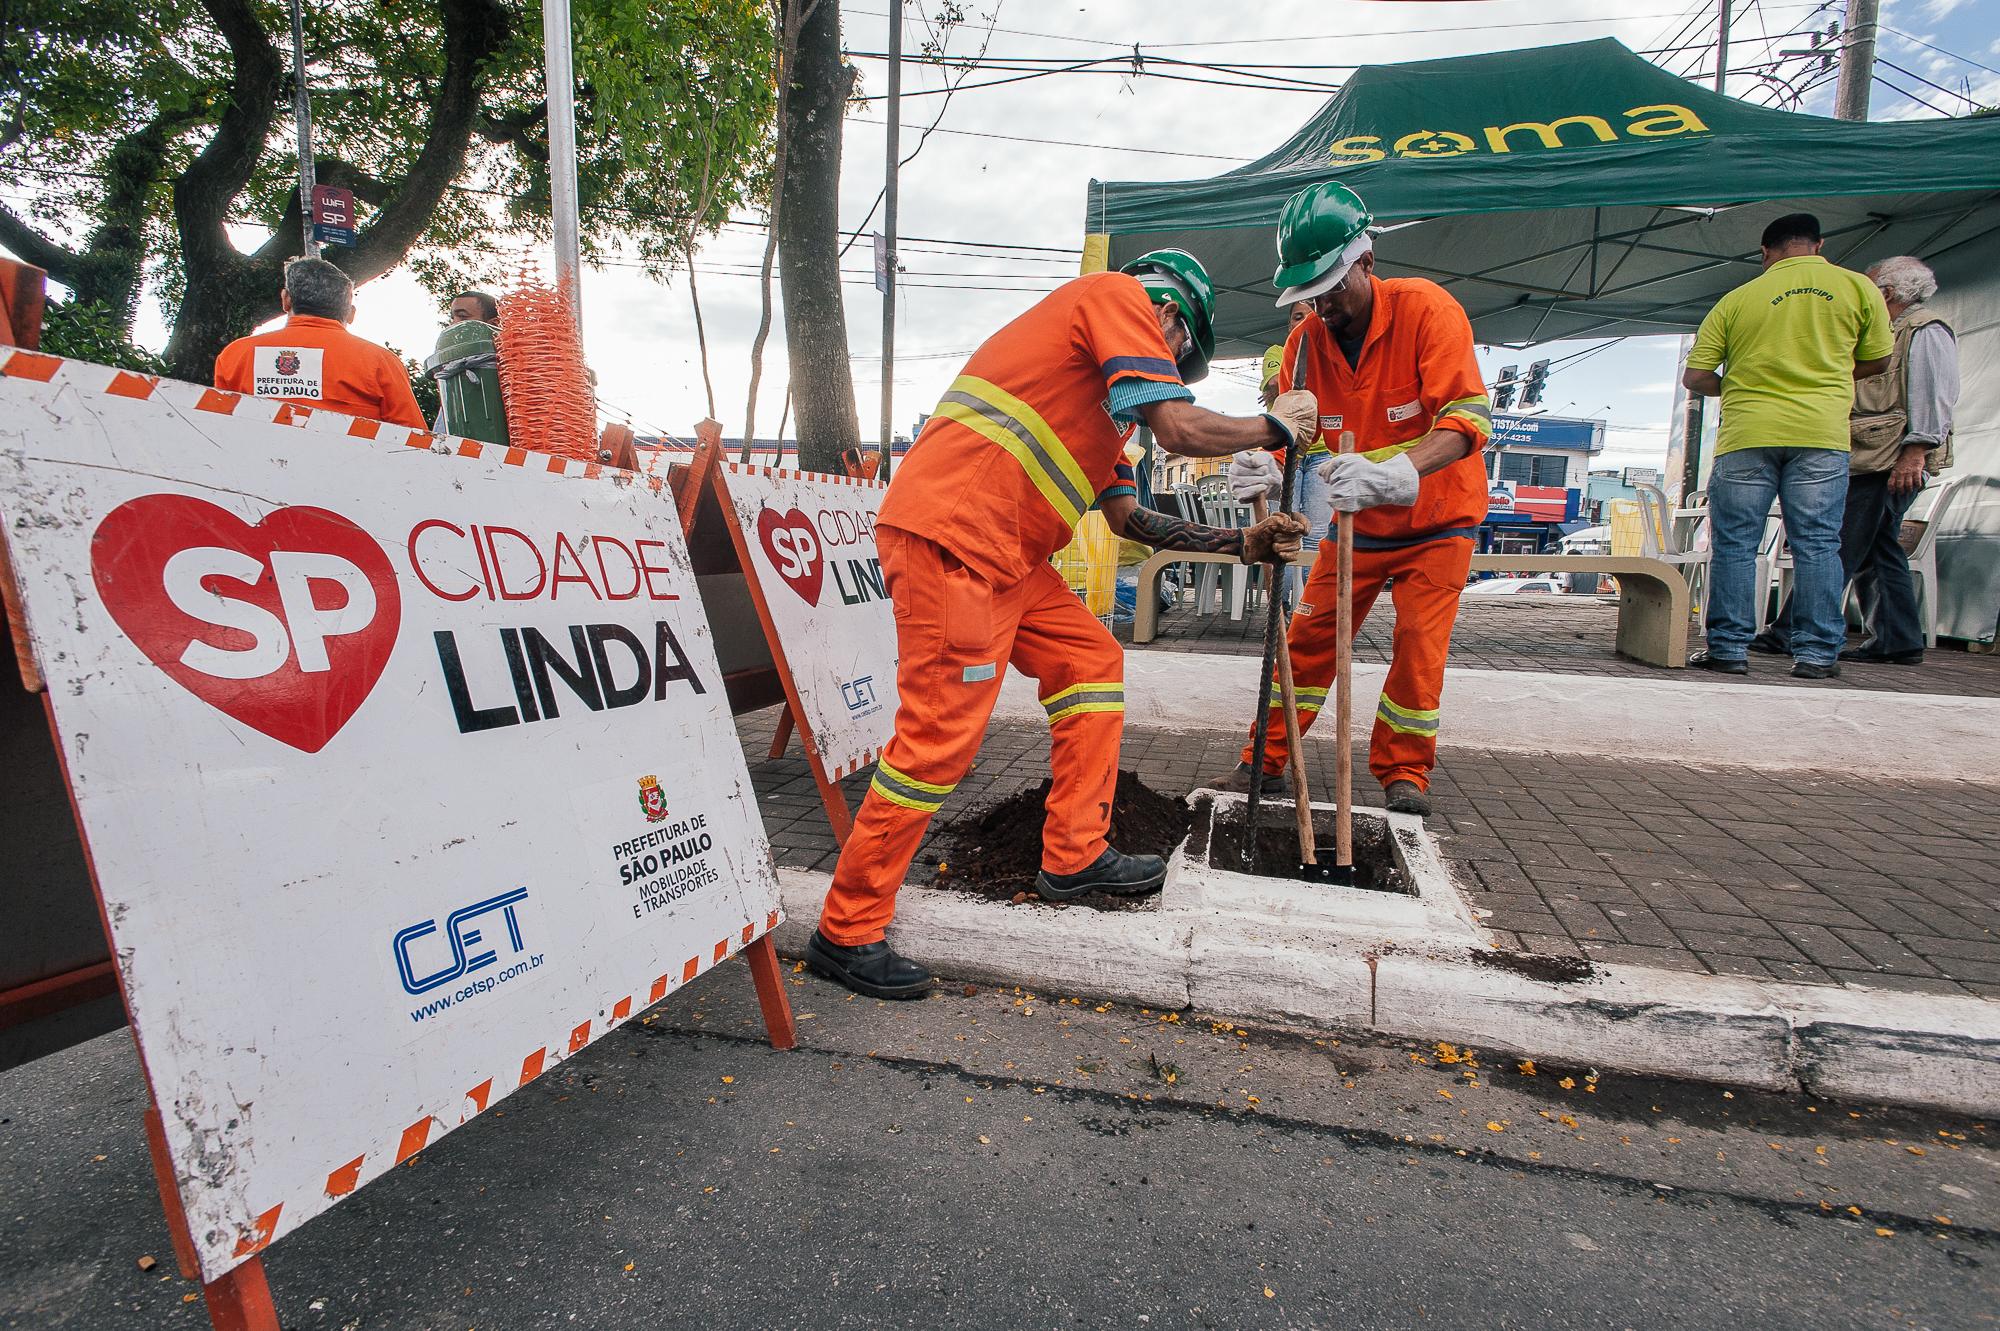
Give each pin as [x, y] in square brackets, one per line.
[1032, 431]
[1393, 362]
[314, 361]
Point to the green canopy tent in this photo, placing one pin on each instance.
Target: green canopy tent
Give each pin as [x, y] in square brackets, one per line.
[1569, 191]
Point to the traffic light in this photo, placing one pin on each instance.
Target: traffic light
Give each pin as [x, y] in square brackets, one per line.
[1531, 387]
[1504, 386]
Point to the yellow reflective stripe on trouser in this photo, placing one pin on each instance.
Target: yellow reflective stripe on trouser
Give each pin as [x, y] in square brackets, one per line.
[998, 415]
[1408, 720]
[907, 791]
[1078, 699]
[1308, 699]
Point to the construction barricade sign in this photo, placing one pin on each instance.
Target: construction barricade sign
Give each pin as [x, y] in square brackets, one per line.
[807, 542]
[403, 765]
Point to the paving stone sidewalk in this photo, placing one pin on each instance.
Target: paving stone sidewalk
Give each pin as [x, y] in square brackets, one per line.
[1808, 877]
[1567, 635]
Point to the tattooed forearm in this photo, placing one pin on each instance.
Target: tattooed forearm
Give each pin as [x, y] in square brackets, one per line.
[1170, 533]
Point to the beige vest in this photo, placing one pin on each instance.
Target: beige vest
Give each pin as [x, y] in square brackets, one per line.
[1880, 417]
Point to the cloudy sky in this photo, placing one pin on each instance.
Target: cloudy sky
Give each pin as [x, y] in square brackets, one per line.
[992, 205]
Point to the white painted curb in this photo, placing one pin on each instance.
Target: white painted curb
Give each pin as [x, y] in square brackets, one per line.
[1917, 1049]
[1658, 719]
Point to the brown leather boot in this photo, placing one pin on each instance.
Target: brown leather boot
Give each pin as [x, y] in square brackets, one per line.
[1404, 797]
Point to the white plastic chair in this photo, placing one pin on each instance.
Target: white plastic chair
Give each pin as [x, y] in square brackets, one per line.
[1923, 559]
[1223, 510]
[1663, 537]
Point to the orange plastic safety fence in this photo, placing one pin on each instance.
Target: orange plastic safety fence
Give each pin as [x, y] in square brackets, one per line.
[550, 405]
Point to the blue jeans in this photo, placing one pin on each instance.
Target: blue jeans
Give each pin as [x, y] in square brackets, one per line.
[1313, 499]
[1811, 483]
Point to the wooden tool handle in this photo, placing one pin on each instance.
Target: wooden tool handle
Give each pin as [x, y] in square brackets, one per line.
[1343, 683]
[1301, 797]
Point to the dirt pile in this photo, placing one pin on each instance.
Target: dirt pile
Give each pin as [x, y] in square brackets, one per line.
[996, 852]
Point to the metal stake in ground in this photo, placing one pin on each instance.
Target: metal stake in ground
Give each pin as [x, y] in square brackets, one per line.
[1343, 685]
[1310, 869]
[1273, 635]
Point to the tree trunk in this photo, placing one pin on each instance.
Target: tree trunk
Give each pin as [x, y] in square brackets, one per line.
[808, 225]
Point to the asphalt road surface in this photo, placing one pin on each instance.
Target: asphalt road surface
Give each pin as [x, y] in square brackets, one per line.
[1002, 1160]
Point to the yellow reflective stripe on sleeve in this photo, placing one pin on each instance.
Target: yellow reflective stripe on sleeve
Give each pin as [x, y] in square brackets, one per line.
[998, 415]
[1472, 409]
[1079, 699]
[907, 791]
[1407, 720]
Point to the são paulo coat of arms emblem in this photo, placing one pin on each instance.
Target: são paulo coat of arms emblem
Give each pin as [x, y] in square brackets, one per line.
[288, 362]
[652, 799]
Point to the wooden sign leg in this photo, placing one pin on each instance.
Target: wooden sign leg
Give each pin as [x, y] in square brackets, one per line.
[784, 735]
[837, 812]
[241, 1299]
[769, 976]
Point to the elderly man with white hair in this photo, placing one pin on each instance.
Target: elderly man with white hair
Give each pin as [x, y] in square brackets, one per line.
[1900, 428]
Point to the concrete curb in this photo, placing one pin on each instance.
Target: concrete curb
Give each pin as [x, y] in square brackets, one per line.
[1917, 1049]
[1654, 719]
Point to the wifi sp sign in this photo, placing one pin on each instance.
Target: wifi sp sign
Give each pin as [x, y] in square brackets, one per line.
[285, 626]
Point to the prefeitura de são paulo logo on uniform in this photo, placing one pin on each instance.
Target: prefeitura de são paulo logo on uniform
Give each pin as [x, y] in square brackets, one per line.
[652, 799]
[288, 362]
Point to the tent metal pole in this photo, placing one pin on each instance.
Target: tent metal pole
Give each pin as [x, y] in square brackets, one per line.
[1857, 61]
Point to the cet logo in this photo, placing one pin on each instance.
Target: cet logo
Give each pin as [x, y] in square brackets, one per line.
[288, 362]
[461, 941]
[858, 693]
[285, 626]
[652, 799]
[793, 545]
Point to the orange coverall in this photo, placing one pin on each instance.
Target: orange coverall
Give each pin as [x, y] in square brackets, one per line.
[1416, 372]
[352, 375]
[1020, 446]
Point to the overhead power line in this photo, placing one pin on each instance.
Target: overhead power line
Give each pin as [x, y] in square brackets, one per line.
[1067, 143]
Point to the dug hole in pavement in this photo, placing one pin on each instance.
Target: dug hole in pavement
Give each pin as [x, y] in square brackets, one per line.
[1416, 962]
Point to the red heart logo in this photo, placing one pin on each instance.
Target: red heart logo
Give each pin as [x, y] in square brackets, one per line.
[285, 626]
[793, 545]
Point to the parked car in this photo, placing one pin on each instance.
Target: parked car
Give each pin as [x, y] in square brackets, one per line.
[1512, 586]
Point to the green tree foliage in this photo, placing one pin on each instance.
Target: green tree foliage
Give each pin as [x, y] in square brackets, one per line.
[85, 330]
[154, 136]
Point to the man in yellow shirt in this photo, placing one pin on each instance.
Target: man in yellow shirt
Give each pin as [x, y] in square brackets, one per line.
[1789, 345]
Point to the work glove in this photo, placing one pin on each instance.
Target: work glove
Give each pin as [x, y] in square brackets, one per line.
[1357, 483]
[1296, 413]
[1275, 540]
[1255, 474]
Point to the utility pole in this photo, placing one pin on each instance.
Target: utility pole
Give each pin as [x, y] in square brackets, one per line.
[302, 112]
[560, 87]
[892, 170]
[1857, 61]
[1722, 48]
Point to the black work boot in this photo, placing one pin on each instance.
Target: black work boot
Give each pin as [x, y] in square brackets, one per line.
[1119, 875]
[1239, 780]
[1404, 797]
[873, 969]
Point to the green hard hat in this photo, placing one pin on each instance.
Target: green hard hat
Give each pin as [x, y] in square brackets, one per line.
[1177, 276]
[1316, 229]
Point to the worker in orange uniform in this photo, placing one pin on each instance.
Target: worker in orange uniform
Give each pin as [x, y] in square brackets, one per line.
[1393, 362]
[1032, 431]
[314, 361]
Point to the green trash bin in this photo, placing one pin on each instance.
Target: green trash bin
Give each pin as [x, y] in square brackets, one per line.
[466, 367]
